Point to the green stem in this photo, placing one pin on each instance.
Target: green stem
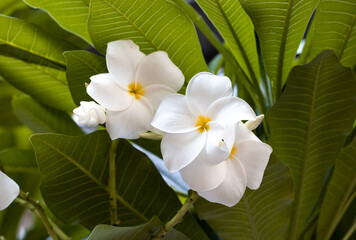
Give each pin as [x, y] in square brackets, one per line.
[178, 217]
[112, 182]
[53, 230]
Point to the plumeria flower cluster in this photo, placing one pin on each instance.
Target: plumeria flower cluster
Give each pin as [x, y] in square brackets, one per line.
[9, 190]
[204, 136]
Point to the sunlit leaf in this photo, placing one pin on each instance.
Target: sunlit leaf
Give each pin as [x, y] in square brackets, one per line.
[43, 119]
[153, 25]
[74, 170]
[280, 26]
[335, 29]
[308, 127]
[72, 15]
[260, 214]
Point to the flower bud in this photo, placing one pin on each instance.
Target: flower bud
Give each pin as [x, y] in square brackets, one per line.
[90, 114]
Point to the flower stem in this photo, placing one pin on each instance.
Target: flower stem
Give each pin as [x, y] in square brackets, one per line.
[53, 230]
[178, 217]
[112, 182]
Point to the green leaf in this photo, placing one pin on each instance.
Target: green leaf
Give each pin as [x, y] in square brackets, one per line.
[341, 190]
[47, 85]
[72, 15]
[81, 65]
[280, 26]
[335, 29]
[153, 25]
[142, 232]
[260, 214]
[237, 29]
[18, 160]
[8, 6]
[75, 182]
[25, 36]
[7, 117]
[309, 125]
[43, 119]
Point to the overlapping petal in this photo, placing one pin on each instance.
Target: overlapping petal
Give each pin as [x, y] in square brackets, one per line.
[180, 149]
[243, 134]
[231, 190]
[9, 190]
[216, 148]
[157, 68]
[230, 110]
[205, 88]
[131, 122]
[122, 59]
[174, 116]
[156, 93]
[108, 93]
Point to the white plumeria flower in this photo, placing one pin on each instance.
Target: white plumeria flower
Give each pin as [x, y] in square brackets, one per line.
[9, 190]
[133, 88]
[90, 114]
[225, 181]
[193, 122]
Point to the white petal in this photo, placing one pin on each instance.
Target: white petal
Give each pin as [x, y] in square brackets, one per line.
[122, 60]
[230, 110]
[90, 114]
[9, 190]
[200, 175]
[216, 149]
[243, 134]
[174, 116]
[130, 122]
[204, 89]
[108, 93]
[254, 157]
[253, 124]
[156, 93]
[180, 149]
[231, 190]
[157, 68]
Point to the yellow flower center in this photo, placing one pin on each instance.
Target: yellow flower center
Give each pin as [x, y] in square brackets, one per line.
[135, 89]
[233, 151]
[202, 123]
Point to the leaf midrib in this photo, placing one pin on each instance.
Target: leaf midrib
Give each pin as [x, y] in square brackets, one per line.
[99, 183]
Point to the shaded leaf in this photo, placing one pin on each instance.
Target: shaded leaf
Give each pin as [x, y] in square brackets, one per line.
[335, 29]
[47, 85]
[341, 190]
[7, 117]
[237, 29]
[43, 119]
[19, 160]
[72, 15]
[142, 232]
[153, 25]
[74, 169]
[309, 125]
[28, 37]
[8, 6]
[280, 26]
[260, 214]
[81, 65]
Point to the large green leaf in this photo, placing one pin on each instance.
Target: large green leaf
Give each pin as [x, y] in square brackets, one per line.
[47, 85]
[308, 127]
[81, 65]
[43, 119]
[142, 232]
[260, 214]
[280, 25]
[341, 189]
[30, 38]
[334, 28]
[75, 182]
[72, 15]
[237, 29]
[18, 160]
[153, 25]
[8, 6]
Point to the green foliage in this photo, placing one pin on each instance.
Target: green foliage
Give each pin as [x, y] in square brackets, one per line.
[141, 232]
[259, 214]
[308, 126]
[153, 25]
[74, 169]
[17, 160]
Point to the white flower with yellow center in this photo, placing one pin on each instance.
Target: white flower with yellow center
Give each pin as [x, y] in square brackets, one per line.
[133, 88]
[9, 190]
[193, 122]
[241, 162]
